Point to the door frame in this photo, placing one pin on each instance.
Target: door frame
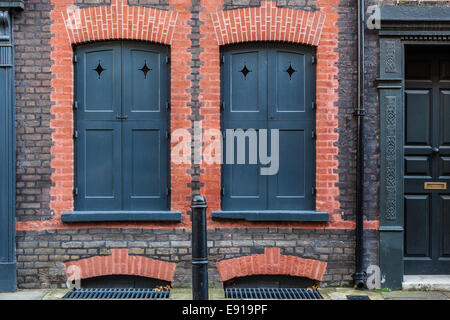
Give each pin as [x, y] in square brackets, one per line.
[399, 26]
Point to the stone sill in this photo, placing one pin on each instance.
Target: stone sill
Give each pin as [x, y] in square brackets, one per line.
[115, 216]
[274, 215]
[12, 5]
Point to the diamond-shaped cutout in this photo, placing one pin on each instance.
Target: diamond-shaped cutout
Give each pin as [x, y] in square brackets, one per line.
[99, 69]
[290, 71]
[145, 69]
[245, 71]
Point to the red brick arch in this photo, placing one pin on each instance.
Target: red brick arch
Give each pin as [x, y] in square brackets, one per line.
[120, 263]
[271, 263]
[268, 23]
[119, 21]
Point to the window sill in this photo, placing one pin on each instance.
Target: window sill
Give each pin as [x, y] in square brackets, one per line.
[97, 216]
[273, 215]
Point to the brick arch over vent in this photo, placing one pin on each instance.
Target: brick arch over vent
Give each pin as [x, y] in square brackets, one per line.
[119, 21]
[268, 23]
[120, 263]
[271, 263]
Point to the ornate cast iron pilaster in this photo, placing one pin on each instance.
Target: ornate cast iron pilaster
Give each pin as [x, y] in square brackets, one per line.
[7, 147]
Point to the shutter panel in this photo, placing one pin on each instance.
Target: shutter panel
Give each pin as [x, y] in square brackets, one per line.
[290, 95]
[245, 107]
[98, 152]
[145, 149]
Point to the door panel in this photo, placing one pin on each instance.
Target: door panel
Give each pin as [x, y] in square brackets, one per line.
[145, 166]
[289, 92]
[98, 82]
[145, 82]
[99, 166]
[291, 187]
[417, 166]
[245, 187]
[418, 117]
[444, 133]
[427, 137]
[269, 87]
[417, 222]
[244, 96]
[121, 120]
[445, 226]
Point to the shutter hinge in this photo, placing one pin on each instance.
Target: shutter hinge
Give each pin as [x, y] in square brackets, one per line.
[222, 191]
[167, 60]
[313, 105]
[313, 191]
[313, 133]
[167, 134]
[222, 59]
[75, 105]
[167, 105]
[222, 105]
[168, 191]
[313, 59]
[75, 134]
[75, 58]
[75, 191]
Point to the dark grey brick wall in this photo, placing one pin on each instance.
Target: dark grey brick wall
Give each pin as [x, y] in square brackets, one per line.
[41, 254]
[87, 3]
[308, 5]
[33, 134]
[195, 91]
[347, 128]
[429, 3]
[160, 4]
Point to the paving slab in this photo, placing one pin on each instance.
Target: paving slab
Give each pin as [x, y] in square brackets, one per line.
[426, 282]
[415, 295]
[55, 294]
[23, 295]
[342, 293]
[186, 294]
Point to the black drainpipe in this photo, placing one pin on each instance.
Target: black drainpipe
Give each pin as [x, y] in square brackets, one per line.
[359, 275]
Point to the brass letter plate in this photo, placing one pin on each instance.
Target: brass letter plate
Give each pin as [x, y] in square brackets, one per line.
[435, 186]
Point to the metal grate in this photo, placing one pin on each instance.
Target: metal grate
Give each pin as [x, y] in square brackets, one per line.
[352, 297]
[272, 293]
[113, 293]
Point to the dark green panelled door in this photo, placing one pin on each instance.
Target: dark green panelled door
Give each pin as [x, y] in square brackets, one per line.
[269, 86]
[121, 126]
[427, 160]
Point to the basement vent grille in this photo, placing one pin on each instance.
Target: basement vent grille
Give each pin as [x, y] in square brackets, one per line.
[272, 293]
[113, 293]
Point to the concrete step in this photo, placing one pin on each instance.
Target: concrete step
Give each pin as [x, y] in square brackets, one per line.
[426, 282]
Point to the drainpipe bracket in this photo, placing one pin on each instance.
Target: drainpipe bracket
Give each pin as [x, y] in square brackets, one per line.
[360, 112]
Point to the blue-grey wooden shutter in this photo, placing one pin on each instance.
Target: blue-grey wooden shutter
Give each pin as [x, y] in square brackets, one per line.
[270, 87]
[98, 132]
[244, 83]
[290, 98]
[145, 140]
[121, 127]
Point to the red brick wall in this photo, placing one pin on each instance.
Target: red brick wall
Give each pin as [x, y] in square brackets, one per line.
[120, 21]
[271, 263]
[120, 263]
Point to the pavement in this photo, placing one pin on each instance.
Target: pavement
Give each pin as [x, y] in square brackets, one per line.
[218, 294]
